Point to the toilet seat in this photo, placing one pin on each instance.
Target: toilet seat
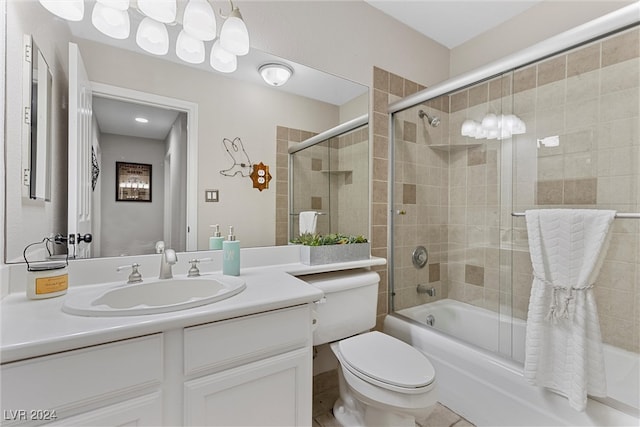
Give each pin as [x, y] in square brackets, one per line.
[387, 362]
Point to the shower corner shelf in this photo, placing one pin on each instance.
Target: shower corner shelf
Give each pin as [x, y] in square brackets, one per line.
[454, 147]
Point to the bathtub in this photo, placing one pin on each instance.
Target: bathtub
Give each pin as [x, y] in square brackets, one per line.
[479, 372]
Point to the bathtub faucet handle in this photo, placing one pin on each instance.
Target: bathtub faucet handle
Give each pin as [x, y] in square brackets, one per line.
[422, 289]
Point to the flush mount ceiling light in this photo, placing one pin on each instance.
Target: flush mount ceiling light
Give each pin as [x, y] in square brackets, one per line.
[111, 21]
[71, 10]
[141, 120]
[275, 74]
[111, 17]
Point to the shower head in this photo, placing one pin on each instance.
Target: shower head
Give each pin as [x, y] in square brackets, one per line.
[434, 121]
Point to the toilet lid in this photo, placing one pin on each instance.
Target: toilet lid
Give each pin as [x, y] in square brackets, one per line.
[387, 360]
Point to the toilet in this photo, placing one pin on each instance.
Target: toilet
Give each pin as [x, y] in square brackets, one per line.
[383, 381]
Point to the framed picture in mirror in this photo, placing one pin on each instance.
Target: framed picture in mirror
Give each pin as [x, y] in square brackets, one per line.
[133, 182]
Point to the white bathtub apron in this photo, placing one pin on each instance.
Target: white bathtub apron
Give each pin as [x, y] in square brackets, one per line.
[563, 343]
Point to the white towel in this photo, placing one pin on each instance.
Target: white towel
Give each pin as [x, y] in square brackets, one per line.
[563, 342]
[307, 222]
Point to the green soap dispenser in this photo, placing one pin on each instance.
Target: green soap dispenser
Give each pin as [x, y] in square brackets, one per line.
[231, 255]
[215, 241]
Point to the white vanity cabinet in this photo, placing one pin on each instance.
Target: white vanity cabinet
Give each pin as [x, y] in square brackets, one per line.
[250, 371]
[109, 384]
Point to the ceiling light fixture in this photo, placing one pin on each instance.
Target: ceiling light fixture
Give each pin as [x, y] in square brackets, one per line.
[71, 10]
[111, 21]
[159, 10]
[493, 126]
[275, 74]
[153, 37]
[189, 48]
[111, 17]
[221, 60]
[234, 36]
[141, 120]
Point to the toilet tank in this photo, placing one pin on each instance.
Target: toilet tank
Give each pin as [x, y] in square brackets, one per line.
[349, 305]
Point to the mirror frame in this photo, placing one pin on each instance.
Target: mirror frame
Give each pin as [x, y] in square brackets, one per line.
[36, 128]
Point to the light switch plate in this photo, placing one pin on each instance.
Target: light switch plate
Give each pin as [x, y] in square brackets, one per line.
[211, 196]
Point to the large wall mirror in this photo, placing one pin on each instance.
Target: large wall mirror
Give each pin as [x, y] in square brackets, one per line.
[214, 106]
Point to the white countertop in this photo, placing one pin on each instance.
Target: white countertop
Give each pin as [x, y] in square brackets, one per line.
[31, 328]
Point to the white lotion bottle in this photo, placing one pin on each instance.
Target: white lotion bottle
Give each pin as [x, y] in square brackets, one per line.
[231, 255]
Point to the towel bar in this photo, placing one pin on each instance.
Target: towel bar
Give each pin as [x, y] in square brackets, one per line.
[618, 215]
[317, 213]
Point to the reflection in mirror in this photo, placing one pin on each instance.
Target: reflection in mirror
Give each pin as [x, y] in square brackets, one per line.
[239, 105]
[331, 178]
[37, 126]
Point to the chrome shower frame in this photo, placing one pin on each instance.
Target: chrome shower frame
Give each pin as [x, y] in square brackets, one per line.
[618, 20]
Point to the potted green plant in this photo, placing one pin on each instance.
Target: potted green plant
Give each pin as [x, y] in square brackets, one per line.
[331, 248]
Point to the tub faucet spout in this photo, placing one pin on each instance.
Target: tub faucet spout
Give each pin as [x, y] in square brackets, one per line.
[169, 258]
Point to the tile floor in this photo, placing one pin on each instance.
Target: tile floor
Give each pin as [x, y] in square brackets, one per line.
[440, 417]
[325, 393]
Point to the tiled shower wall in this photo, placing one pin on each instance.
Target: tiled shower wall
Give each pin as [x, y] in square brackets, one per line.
[285, 137]
[331, 177]
[387, 88]
[589, 97]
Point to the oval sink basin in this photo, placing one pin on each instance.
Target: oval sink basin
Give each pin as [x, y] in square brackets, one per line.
[160, 296]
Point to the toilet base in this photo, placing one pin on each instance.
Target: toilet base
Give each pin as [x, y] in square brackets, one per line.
[348, 417]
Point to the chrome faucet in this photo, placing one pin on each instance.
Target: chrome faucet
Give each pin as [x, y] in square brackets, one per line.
[169, 258]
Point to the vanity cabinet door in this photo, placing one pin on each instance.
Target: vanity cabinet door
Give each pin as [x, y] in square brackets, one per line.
[270, 392]
[141, 411]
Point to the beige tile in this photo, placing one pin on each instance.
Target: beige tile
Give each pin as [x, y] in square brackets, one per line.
[380, 101]
[459, 101]
[409, 194]
[478, 94]
[552, 70]
[524, 79]
[434, 273]
[316, 164]
[621, 48]
[583, 60]
[380, 79]
[410, 87]
[441, 416]
[380, 124]
[409, 131]
[474, 274]
[476, 156]
[316, 203]
[295, 135]
[396, 85]
[549, 192]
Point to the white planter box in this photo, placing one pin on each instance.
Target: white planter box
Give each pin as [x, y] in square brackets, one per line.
[328, 254]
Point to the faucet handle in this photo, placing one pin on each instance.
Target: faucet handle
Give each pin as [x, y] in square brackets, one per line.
[135, 276]
[194, 271]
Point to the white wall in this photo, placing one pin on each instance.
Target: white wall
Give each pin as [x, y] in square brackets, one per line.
[131, 228]
[540, 22]
[345, 38]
